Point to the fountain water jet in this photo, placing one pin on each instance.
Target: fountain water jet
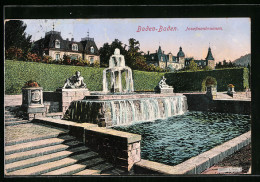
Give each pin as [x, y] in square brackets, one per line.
[116, 69]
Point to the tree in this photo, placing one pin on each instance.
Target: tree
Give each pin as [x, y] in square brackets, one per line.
[108, 50]
[15, 36]
[207, 68]
[193, 66]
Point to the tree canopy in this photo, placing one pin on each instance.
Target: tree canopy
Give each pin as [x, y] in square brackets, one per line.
[15, 35]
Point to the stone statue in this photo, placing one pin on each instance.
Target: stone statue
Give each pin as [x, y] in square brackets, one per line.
[75, 81]
[163, 84]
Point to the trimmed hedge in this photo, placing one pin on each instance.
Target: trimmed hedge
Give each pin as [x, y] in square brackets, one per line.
[51, 76]
[192, 81]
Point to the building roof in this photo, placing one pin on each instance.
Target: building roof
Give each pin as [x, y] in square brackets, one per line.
[209, 56]
[180, 53]
[65, 45]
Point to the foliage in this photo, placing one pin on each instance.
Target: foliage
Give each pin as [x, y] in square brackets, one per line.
[146, 81]
[31, 83]
[66, 59]
[15, 36]
[47, 59]
[207, 68]
[96, 64]
[107, 50]
[32, 57]
[192, 81]
[49, 76]
[225, 64]
[193, 66]
[14, 53]
[231, 85]
[208, 81]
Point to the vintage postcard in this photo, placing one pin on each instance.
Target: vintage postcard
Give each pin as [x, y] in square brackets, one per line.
[130, 96]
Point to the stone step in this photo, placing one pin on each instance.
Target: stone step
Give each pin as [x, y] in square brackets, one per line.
[17, 122]
[76, 168]
[36, 144]
[9, 116]
[13, 119]
[51, 166]
[95, 170]
[40, 152]
[43, 159]
[39, 137]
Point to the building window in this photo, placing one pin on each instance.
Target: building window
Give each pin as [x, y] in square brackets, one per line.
[91, 59]
[152, 57]
[57, 56]
[75, 47]
[57, 44]
[92, 49]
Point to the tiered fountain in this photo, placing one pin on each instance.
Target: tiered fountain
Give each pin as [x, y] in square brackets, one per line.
[119, 105]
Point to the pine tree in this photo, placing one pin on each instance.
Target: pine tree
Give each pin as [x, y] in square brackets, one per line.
[15, 36]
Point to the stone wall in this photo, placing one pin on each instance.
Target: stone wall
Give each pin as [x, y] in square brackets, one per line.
[69, 95]
[120, 148]
[52, 101]
[201, 102]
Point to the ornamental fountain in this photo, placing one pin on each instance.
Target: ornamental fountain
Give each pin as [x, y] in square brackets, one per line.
[119, 105]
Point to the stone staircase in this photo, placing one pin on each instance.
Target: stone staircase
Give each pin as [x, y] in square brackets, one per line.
[11, 117]
[54, 154]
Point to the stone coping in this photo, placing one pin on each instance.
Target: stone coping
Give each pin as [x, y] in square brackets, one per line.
[201, 162]
[71, 89]
[131, 138]
[130, 96]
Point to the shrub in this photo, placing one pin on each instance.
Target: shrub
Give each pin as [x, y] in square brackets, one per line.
[14, 53]
[96, 64]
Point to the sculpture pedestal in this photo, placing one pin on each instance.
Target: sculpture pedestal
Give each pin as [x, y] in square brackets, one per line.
[211, 92]
[166, 90]
[32, 103]
[69, 95]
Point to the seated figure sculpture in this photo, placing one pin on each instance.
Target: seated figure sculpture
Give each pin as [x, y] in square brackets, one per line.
[163, 84]
[75, 81]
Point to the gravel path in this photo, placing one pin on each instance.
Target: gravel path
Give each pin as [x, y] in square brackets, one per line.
[29, 130]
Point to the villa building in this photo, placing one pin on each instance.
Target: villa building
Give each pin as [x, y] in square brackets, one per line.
[55, 46]
[159, 58]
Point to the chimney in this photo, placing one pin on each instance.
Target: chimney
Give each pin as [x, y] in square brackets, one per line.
[156, 51]
[148, 52]
[72, 39]
[163, 52]
[67, 38]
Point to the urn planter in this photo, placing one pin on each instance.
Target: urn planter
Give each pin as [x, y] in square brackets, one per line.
[32, 103]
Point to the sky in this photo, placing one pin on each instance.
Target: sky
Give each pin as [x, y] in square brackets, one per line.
[229, 39]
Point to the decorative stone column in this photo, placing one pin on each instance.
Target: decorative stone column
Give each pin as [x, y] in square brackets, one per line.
[212, 91]
[32, 103]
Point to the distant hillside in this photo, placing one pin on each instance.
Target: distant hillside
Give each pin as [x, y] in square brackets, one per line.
[243, 60]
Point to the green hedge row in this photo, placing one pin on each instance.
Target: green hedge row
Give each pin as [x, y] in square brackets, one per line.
[51, 76]
[192, 81]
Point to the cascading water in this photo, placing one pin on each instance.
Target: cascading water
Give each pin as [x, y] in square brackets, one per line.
[128, 111]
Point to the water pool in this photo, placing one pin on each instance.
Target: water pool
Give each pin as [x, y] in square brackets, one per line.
[178, 138]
